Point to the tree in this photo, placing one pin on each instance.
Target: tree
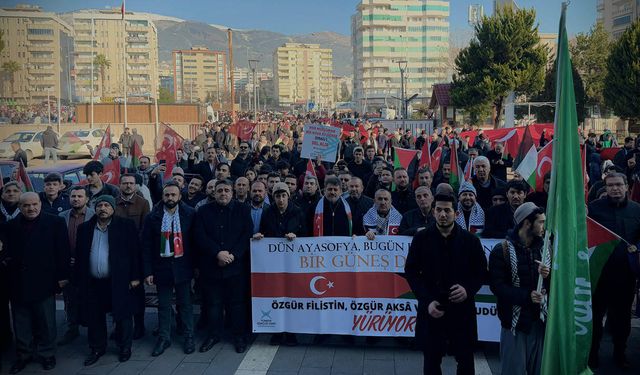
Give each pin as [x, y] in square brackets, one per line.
[165, 96]
[11, 68]
[589, 55]
[103, 63]
[548, 94]
[622, 84]
[505, 55]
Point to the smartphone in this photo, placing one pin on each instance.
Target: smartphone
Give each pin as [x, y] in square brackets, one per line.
[162, 161]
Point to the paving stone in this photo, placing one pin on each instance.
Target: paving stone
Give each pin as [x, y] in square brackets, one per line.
[348, 360]
[379, 353]
[288, 358]
[191, 368]
[318, 356]
[378, 366]
[315, 371]
[130, 367]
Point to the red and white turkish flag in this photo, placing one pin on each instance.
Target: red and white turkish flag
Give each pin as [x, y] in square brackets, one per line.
[545, 161]
[243, 129]
[329, 284]
[167, 146]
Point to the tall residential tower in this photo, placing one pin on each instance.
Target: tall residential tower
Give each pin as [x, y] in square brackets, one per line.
[393, 35]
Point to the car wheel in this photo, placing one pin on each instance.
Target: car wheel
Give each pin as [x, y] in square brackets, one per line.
[29, 155]
[64, 157]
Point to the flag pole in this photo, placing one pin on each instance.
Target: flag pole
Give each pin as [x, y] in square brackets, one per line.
[92, 58]
[124, 61]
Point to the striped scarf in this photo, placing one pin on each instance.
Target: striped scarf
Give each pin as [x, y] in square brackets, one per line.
[382, 225]
[476, 219]
[171, 227]
[318, 217]
[515, 280]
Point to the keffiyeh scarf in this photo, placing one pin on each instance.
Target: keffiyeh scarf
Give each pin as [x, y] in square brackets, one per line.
[382, 225]
[171, 235]
[476, 219]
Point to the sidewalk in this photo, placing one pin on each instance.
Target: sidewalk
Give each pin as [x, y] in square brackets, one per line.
[385, 357]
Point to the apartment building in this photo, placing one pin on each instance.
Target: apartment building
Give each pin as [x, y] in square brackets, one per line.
[390, 36]
[303, 73]
[130, 46]
[39, 45]
[198, 74]
[617, 15]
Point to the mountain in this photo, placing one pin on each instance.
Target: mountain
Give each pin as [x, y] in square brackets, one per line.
[176, 34]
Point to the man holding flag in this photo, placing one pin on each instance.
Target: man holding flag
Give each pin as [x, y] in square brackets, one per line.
[569, 320]
[614, 292]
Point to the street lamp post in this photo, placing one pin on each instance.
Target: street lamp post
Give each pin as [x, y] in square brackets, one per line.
[402, 65]
[253, 64]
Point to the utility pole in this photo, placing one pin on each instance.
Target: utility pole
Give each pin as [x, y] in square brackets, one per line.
[233, 92]
[402, 65]
[253, 64]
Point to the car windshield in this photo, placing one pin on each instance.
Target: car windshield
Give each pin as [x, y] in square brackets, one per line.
[20, 137]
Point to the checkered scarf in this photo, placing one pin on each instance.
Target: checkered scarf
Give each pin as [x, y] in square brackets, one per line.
[382, 225]
[476, 219]
[171, 247]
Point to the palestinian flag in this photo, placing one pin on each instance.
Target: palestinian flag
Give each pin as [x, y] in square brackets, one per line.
[23, 178]
[136, 154]
[402, 157]
[455, 177]
[601, 242]
[425, 156]
[526, 162]
[524, 148]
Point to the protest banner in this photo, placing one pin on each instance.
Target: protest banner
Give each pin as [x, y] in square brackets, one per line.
[320, 140]
[343, 285]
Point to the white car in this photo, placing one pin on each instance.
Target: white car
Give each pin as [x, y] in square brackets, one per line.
[74, 142]
[29, 142]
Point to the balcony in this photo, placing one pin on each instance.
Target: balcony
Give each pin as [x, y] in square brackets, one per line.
[139, 39]
[49, 37]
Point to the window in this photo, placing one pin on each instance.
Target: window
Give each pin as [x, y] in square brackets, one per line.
[40, 31]
[622, 21]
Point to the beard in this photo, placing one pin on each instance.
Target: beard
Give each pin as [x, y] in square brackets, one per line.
[170, 204]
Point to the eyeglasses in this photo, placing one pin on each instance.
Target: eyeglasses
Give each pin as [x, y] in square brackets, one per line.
[243, 147]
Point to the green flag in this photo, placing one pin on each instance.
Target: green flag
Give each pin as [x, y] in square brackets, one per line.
[569, 320]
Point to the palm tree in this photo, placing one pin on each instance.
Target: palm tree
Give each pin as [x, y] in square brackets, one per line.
[10, 68]
[102, 62]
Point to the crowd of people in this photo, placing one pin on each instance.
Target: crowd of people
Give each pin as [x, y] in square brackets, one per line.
[189, 231]
[36, 113]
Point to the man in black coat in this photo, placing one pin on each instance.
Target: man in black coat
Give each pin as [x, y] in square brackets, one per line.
[445, 268]
[403, 197]
[359, 204]
[37, 260]
[522, 333]
[107, 270]
[331, 215]
[419, 218]
[614, 293]
[484, 182]
[167, 253]
[282, 219]
[222, 231]
[499, 161]
[206, 168]
[499, 219]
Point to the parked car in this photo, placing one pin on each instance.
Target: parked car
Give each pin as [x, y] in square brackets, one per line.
[74, 142]
[71, 174]
[29, 142]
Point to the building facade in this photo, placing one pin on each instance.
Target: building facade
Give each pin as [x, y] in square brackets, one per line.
[39, 45]
[199, 74]
[303, 74]
[388, 36]
[130, 47]
[617, 15]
